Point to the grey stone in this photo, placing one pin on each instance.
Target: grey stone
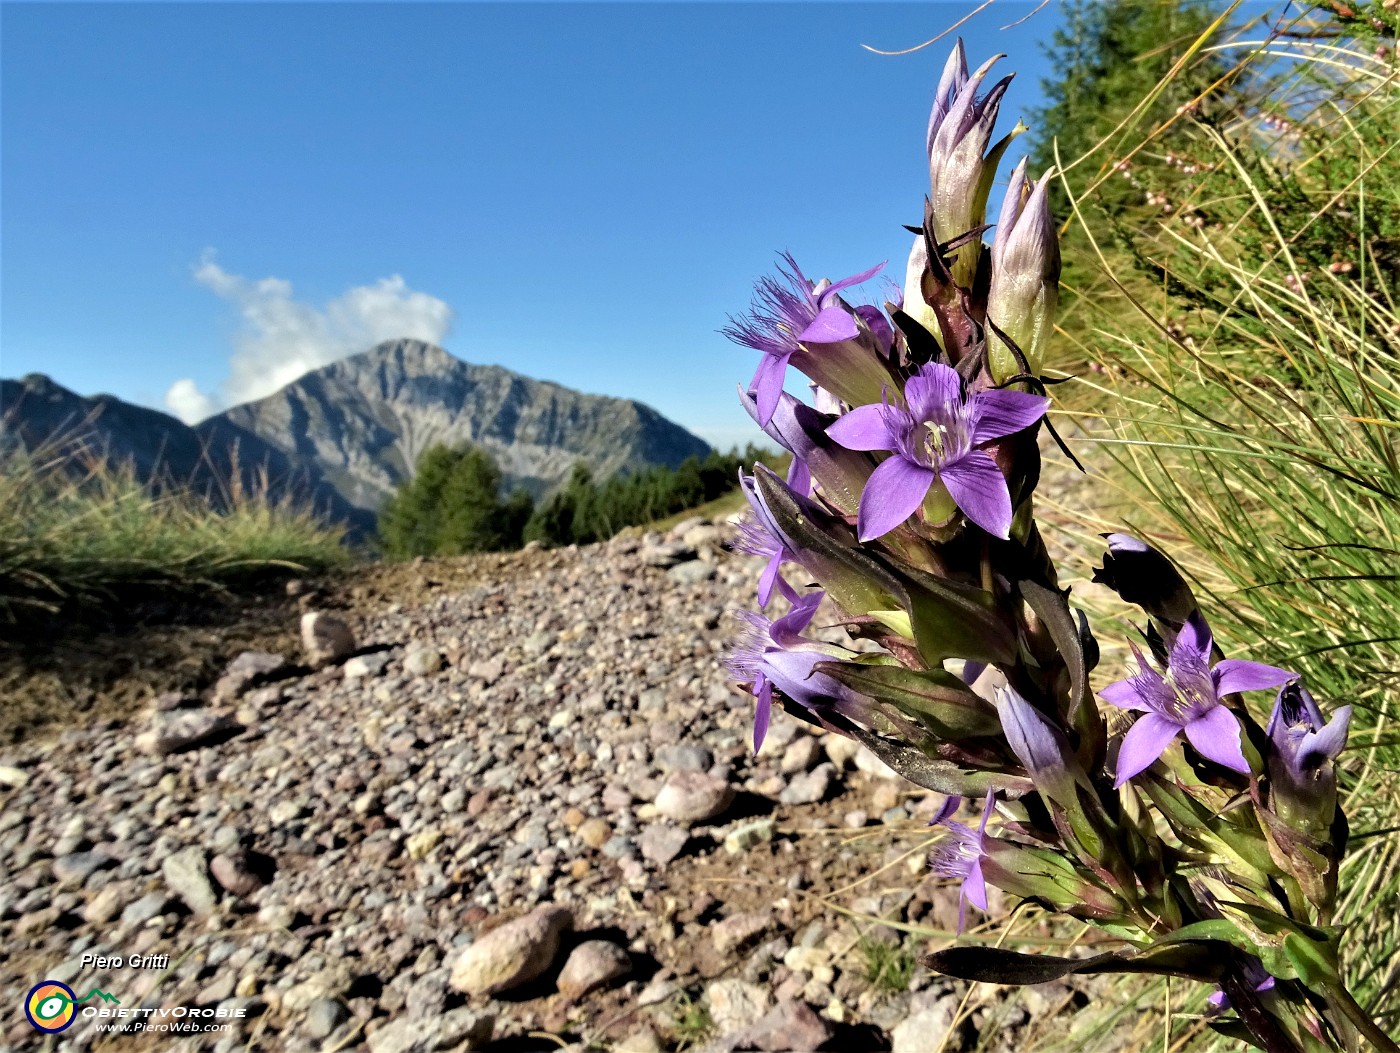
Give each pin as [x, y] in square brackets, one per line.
[423, 661]
[324, 1016]
[235, 874]
[790, 1026]
[692, 572]
[747, 835]
[248, 670]
[809, 787]
[804, 753]
[459, 1030]
[684, 756]
[513, 954]
[736, 1005]
[145, 908]
[692, 796]
[325, 638]
[366, 665]
[662, 842]
[591, 965]
[78, 865]
[187, 875]
[183, 729]
[931, 1019]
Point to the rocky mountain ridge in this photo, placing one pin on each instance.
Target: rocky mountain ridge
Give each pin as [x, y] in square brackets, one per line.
[348, 433]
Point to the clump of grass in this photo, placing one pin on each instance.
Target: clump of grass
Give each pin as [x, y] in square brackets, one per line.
[887, 966]
[1252, 412]
[692, 1022]
[77, 532]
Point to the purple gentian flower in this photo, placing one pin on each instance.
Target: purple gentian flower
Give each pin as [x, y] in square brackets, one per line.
[759, 536]
[1254, 974]
[937, 435]
[786, 316]
[775, 654]
[1300, 737]
[1187, 699]
[960, 857]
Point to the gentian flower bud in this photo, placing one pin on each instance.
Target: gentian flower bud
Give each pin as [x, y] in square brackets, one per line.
[1025, 286]
[1302, 747]
[961, 167]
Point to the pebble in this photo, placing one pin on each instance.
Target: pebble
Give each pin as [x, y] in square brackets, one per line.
[513, 954]
[183, 729]
[809, 787]
[748, 835]
[424, 661]
[363, 666]
[662, 842]
[737, 1004]
[187, 876]
[325, 638]
[324, 1016]
[693, 796]
[591, 965]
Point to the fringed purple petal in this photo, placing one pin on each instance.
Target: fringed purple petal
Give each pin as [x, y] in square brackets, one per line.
[980, 490]
[1237, 674]
[864, 428]
[829, 294]
[893, 493]
[1144, 743]
[946, 810]
[996, 414]
[1124, 694]
[1325, 744]
[1216, 736]
[932, 388]
[799, 476]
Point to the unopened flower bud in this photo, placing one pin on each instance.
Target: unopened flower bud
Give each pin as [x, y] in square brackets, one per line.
[1025, 287]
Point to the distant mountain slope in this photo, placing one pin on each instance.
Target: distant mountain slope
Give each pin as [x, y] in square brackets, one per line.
[37, 413]
[347, 434]
[364, 421]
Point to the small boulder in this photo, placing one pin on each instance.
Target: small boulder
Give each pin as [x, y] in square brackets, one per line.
[693, 796]
[187, 875]
[736, 1005]
[249, 669]
[184, 729]
[662, 842]
[592, 965]
[422, 661]
[459, 1030]
[235, 873]
[512, 955]
[325, 638]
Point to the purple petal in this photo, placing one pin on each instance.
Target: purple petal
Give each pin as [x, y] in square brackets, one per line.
[878, 325]
[1143, 744]
[946, 810]
[975, 886]
[931, 388]
[854, 279]
[979, 489]
[769, 579]
[1236, 674]
[1320, 746]
[799, 476]
[1195, 638]
[787, 630]
[831, 326]
[999, 413]
[892, 494]
[988, 807]
[761, 715]
[1125, 695]
[768, 385]
[1216, 736]
[1032, 740]
[864, 428]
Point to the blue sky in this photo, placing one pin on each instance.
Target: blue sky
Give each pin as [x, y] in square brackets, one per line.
[201, 201]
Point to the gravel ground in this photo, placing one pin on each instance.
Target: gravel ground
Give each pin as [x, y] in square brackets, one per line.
[518, 809]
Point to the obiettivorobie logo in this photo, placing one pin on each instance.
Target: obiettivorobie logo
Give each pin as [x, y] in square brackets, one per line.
[51, 1006]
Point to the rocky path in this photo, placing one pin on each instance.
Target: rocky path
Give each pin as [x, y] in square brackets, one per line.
[515, 817]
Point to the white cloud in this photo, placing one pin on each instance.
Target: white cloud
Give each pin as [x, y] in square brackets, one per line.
[281, 338]
[187, 402]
